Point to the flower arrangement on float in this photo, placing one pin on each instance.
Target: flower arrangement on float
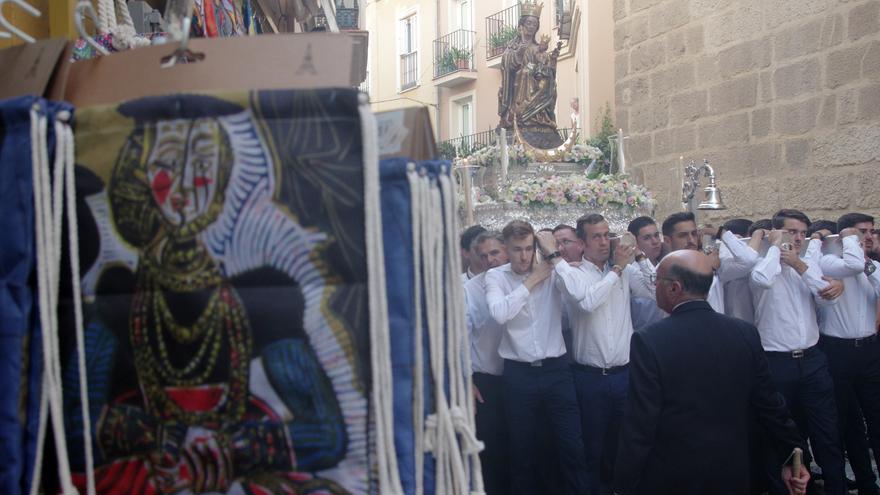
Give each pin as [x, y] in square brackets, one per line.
[606, 191]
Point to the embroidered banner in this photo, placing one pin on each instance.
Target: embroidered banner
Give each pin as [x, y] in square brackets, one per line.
[227, 330]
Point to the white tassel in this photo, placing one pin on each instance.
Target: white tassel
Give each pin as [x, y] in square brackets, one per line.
[380, 345]
[418, 365]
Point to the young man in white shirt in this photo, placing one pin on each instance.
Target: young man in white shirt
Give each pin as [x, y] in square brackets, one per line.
[786, 291]
[736, 262]
[680, 232]
[485, 336]
[644, 311]
[470, 261]
[599, 292]
[523, 296]
[850, 341]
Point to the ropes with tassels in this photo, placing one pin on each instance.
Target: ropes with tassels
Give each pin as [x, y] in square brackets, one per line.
[415, 192]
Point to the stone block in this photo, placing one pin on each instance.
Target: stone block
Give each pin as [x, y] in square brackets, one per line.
[684, 139]
[817, 192]
[745, 56]
[733, 129]
[832, 31]
[621, 117]
[640, 88]
[797, 152]
[639, 147]
[867, 187]
[649, 116]
[735, 94]
[798, 40]
[848, 106]
[622, 93]
[760, 122]
[780, 12]
[676, 45]
[621, 65]
[765, 92]
[702, 8]
[871, 61]
[694, 38]
[707, 69]
[630, 32]
[869, 102]
[668, 16]
[828, 113]
[864, 19]
[619, 10]
[688, 106]
[676, 78]
[844, 66]
[753, 199]
[797, 78]
[733, 25]
[647, 56]
[662, 142]
[851, 145]
[796, 118]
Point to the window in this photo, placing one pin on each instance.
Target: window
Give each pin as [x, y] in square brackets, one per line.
[463, 14]
[464, 117]
[408, 43]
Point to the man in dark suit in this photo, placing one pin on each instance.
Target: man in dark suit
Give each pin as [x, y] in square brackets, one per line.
[695, 379]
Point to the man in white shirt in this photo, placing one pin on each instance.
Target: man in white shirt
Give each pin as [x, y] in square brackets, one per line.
[786, 291]
[599, 292]
[850, 341]
[644, 311]
[736, 262]
[470, 261]
[485, 336]
[680, 232]
[523, 296]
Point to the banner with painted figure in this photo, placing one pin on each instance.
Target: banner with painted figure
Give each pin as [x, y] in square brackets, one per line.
[227, 329]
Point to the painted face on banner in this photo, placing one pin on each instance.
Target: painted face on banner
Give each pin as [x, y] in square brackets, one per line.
[182, 168]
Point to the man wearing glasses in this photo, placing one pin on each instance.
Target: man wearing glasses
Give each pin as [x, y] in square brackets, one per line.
[786, 289]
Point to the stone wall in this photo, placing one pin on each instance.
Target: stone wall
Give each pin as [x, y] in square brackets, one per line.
[782, 96]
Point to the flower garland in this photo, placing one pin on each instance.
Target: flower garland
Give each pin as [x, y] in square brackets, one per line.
[609, 190]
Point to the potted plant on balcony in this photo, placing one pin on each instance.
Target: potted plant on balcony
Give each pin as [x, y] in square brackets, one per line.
[461, 58]
[499, 40]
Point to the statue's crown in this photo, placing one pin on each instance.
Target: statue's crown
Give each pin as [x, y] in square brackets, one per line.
[530, 8]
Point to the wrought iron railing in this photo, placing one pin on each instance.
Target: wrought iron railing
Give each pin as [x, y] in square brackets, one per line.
[346, 17]
[500, 29]
[454, 52]
[466, 145]
[365, 85]
[409, 70]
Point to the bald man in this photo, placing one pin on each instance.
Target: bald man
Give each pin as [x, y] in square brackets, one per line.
[695, 379]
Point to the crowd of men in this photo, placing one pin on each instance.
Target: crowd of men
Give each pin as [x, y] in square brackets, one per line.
[675, 362]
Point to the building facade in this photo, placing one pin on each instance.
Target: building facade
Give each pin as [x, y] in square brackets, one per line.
[446, 55]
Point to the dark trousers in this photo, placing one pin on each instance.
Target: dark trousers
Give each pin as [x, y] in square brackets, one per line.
[528, 389]
[601, 398]
[855, 369]
[492, 431]
[806, 384]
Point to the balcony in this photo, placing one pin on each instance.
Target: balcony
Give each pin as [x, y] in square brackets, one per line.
[409, 71]
[454, 58]
[466, 145]
[500, 29]
[346, 17]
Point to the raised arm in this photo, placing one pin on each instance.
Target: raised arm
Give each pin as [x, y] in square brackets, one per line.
[767, 268]
[504, 306]
[851, 263]
[737, 258]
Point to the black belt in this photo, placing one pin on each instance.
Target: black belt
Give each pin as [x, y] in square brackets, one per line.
[534, 364]
[796, 354]
[601, 371]
[860, 342]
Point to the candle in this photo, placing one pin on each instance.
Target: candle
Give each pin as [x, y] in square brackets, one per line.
[505, 158]
[621, 161]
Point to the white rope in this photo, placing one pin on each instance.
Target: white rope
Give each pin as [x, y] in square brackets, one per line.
[418, 366]
[380, 344]
[114, 19]
[65, 140]
[463, 407]
[47, 203]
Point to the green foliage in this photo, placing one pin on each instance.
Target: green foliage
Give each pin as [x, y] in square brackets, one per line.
[448, 61]
[600, 140]
[501, 38]
[446, 150]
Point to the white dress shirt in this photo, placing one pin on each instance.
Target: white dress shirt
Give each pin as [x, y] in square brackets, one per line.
[485, 332]
[737, 261]
[716, 295]
[532, 320]
[854, 316]
[785, 302]
[600, 310]
[465, 276]
[644, 310]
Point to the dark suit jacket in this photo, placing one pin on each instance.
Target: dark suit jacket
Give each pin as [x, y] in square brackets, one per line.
[696, 378]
